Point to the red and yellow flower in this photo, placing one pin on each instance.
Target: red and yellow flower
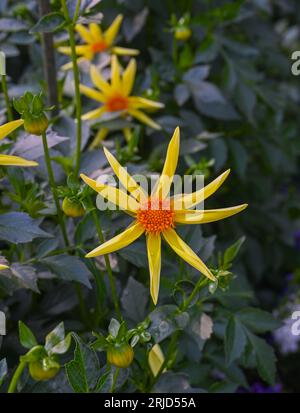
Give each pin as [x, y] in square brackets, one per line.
[116, 96]
[157, 215]
[96, 41]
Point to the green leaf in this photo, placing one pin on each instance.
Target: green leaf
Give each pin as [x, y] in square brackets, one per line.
[19, 227]
[27, 338]
[49, 23]
[232, 252]
[68, 268]
[101, 382]
[25, 276]
[30, 147]
[165, 320]
[134, 300]
[246, 99]
[169, 382]
[136, 254]
[265, 358]
[72, 182]
[232, 372]
[181, 94]
[3, 370]
[34, 354]
[37, 104]
[100, 344]
[83, 370]
[240, 157]
[235, 340]
[210, 101]
[219, 151]
[8, 24]
[257, 320]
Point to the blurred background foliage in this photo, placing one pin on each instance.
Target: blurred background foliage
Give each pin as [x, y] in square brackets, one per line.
[230, 89]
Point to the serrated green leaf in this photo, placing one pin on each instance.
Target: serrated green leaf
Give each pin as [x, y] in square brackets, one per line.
[257, 320]
[49, 23]
[83, 370]
[68, 268]
[19, 227]
[265, 358]
[235, 340]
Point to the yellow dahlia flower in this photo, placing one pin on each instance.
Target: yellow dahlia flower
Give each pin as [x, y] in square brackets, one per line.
[116, 96]
[96, 41]
[157, 215]
[9, 160]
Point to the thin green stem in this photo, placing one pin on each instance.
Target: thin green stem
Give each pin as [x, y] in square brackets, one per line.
[17, 374]
[202, 282]
[115, 378]
[49, 60]
[61, 220]
[100, 286]
[6, 97]
[76, 81]
[53, 188]
[108, 266]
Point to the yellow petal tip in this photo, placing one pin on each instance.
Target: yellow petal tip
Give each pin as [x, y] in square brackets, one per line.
[84, 178]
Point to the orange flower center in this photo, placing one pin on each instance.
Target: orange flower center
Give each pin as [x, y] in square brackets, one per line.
[116, 103]
[156, 216]
[99, 46]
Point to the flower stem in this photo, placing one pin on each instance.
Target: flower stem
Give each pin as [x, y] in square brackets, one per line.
[202, 282]
[17, 374]
[115, 378]
[71, 24]
[49, 59]
[53, 188]
[107, 264]
[6, 97]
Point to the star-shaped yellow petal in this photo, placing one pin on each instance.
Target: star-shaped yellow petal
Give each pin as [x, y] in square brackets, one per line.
[115, 95]
[9, 160]
[155, 215]
[94, 41]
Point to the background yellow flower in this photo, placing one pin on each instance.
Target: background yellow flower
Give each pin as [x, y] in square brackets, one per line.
[116, 95]
[96, 41]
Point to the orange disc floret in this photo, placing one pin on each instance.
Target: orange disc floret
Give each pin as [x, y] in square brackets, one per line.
[156, 216]
[116, 103]
[99, 46]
